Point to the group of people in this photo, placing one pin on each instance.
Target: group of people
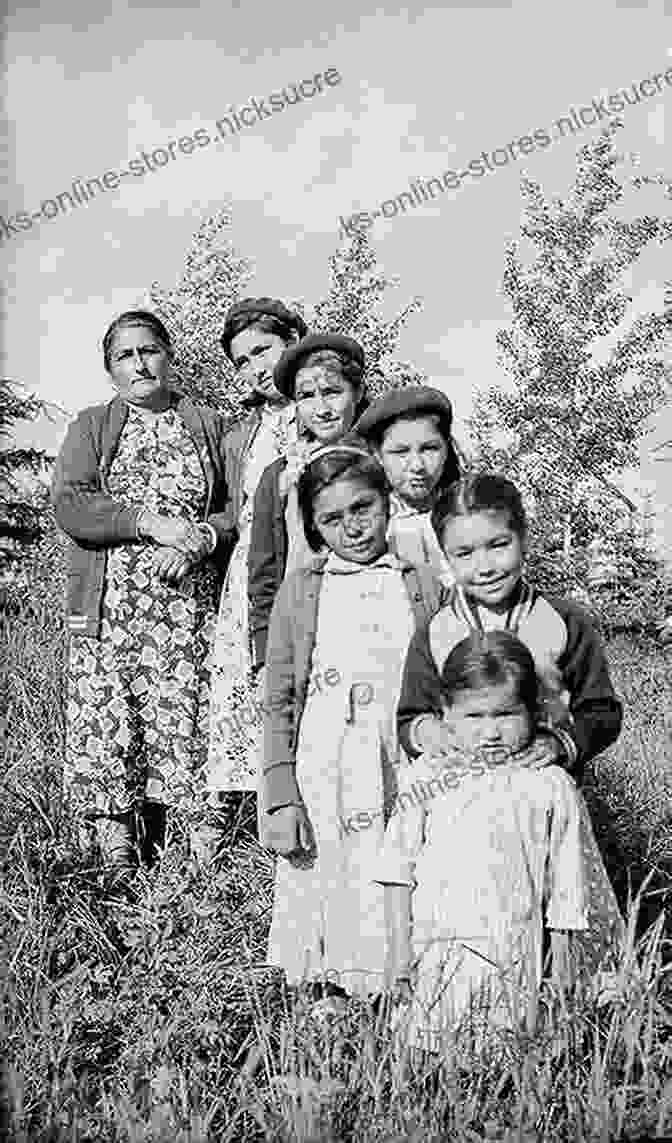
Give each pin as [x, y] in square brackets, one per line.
[326, 564]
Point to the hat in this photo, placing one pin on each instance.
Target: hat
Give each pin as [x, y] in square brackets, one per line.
[289, 364]
[414, 400]
[253, 309]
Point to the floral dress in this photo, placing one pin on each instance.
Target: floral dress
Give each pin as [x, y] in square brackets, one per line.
[138, 695]
[236, 712]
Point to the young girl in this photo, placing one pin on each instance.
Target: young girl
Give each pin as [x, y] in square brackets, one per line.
[338, 636]
[257, 331]
[480, 854]
[480, 524]
[410, 430]
[324, 374]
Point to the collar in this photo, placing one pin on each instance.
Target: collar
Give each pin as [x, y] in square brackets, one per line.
[338, 566]
[521, 603]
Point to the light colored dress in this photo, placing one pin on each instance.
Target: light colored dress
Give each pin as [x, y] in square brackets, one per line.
[410, 536]
[489, 860]
[138, 696]
[236, 717]
[328, 916]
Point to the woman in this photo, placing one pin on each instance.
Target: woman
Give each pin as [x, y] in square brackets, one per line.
[410, 432]
[139, 487]
[257, 331]
[324, 374]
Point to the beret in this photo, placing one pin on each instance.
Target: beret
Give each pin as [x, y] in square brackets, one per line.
[289, 364]
[403, 403]
[253, 308]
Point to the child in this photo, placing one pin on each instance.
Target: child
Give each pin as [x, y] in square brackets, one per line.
[410, 430]
[338, 636]
[492, 850]
[480, 524]
[324, 374]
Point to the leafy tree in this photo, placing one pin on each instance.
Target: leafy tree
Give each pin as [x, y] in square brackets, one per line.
[584, 374]
[214, 276]
[22, 496]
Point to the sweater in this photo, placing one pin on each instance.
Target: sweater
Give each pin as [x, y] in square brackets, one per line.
[95, 521]
[558, 633]
[291, 643]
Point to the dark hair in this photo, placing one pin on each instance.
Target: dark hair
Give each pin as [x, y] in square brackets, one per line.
[490, 658]
[334, 362]
[288, 327]
[340, 462]
[480, 492]
[135, 318]
[451, 468]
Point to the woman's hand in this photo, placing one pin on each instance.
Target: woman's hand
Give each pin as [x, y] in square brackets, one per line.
[437, 738]
[170, 565]
[173, 532]
[288, 832]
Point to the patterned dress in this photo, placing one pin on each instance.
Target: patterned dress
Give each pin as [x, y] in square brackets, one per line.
[138, 696]
[236, 713]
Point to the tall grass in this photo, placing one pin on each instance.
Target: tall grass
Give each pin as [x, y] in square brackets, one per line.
[158, 1021]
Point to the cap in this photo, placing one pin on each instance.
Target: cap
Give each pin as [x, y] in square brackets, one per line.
[253, 308]
[289, 364]
[403, 403]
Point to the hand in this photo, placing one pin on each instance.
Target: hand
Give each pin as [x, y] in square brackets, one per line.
[435, 737]
[173, 532]
[288, 832]
[544, 750]
[170, 565]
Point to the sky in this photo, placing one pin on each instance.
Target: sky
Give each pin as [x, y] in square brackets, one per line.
[420, 90]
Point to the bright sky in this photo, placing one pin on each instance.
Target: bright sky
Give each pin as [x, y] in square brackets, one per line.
[422, 91]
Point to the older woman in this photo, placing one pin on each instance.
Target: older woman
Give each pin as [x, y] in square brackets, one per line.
[139, 487]
[324, 374]
[257, 331]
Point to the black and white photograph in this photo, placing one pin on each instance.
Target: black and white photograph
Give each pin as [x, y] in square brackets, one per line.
[336, 573]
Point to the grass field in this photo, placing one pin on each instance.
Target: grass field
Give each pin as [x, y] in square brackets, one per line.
[157, 1021]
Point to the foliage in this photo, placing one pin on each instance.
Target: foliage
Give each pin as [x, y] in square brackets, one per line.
[584, 373]
[22, 496]
[156, 1020]
[214, 276]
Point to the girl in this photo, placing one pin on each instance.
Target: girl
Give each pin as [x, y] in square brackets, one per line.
[256, 333]
[338, 635]
[474, 946]
[324, 373]
[480, 524]
[410, 430]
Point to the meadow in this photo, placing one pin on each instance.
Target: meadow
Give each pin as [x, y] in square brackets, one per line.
[157, 1020]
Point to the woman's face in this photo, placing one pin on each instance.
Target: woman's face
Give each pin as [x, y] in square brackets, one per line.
[139, 366]
[325, 403]
[351, 518]
[255, 355]
[413, 453]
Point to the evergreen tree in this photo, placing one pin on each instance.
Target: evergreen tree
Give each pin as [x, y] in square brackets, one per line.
[214, 276]
[584, 374]
[22, 497]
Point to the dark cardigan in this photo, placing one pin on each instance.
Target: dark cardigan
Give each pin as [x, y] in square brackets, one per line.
[95, 521]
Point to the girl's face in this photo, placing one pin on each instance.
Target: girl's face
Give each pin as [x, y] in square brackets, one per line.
[413, 453]
[351, 518]
[139, 366]
[486, 556]
[254, 355]
[325, 403]
[490, 718]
